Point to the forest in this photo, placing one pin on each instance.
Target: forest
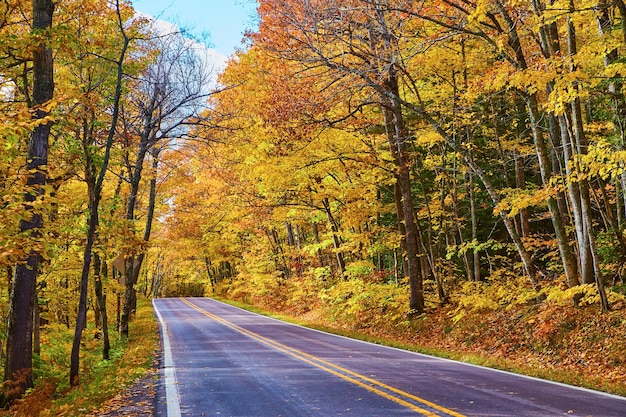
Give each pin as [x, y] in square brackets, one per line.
[443, 173]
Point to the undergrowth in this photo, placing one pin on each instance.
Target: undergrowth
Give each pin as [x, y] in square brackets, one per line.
[100, 380]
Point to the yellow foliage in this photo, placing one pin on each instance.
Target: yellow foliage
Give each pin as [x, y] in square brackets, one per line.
[517, 199]
[587, 294]
[474, 297]
[356, 303]
[427, 137]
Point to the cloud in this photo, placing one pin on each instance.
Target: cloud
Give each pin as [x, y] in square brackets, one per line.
[211, 57]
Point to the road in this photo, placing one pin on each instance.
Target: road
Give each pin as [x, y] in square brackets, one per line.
[219, 360]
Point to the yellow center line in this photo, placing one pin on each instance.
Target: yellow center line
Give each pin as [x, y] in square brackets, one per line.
[369, 384]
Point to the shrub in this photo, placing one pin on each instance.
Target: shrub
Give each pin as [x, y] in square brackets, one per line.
[358, 304]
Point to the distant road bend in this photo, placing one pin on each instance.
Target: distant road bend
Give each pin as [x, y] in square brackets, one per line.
[219, 360]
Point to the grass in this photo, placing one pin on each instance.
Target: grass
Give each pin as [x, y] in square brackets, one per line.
[100, 380]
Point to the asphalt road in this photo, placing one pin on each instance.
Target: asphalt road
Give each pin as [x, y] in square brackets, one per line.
[219, 360]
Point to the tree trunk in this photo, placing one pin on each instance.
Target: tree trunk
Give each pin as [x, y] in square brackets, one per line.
[9, 271]
[133, 264]
[334, 226]
[118, 310]
[549, 43]
[291, 240]
[99, 271]
[520, 183]
[427, 248]
[320, 255]
[209, 271]
[399, 139]
[474, 220]
[19, 357]
[94, 185]
[470, 270]
[81, 319]
[36, 325]
[397, 195]
[130, 264]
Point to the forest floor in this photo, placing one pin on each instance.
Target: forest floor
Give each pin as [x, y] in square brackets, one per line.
[126, 385]
[139, 400]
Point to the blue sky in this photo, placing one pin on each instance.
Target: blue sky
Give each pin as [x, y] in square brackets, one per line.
[223, 20]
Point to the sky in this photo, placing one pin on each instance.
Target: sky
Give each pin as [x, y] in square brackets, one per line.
[223, 20]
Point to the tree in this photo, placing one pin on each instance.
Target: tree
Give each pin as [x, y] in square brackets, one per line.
[166, 99]
[356, 41]
[95, 176]
[19, 360]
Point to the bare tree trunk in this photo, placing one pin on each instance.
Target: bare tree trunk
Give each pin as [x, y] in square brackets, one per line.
[132, 262]
[397, 138]
[36, 325]
[19, 359]
[81, 319]
[99, 272]
[334, 226]
[474, 220]
[579, 146]
[320, 255]
[520, 182]
[400, 137]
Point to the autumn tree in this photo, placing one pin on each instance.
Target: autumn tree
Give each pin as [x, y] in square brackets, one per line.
[507, 30]
[19, 363]
[356, 41]
[166, 99]
[94, 177]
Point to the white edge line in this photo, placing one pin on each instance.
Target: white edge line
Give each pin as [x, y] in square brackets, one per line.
[561, 384]
[171, 389]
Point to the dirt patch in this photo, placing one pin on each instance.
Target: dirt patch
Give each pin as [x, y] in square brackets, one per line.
[139, 400]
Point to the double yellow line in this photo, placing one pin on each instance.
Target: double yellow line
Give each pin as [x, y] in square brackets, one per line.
[417, 404]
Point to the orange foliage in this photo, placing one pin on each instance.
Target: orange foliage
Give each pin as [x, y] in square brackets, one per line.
[35, 402]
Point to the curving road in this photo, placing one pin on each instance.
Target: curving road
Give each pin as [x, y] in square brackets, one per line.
[219, 360]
